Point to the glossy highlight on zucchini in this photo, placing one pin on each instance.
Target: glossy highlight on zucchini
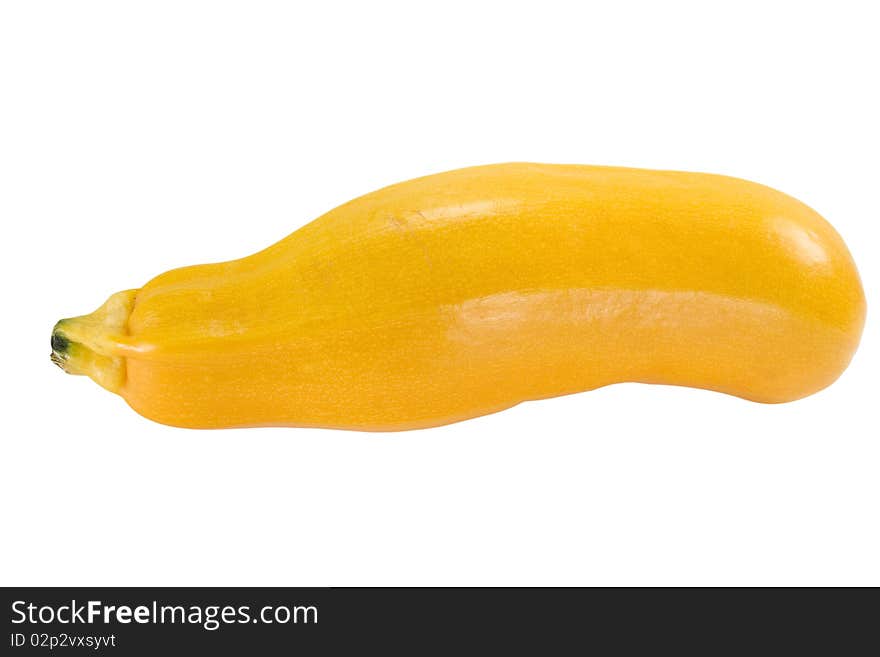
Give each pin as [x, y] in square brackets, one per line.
[463, 293]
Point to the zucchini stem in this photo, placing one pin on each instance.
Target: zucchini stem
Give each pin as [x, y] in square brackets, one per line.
[86, 344]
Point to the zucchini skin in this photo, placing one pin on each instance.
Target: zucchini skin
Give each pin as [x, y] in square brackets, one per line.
[463, 293]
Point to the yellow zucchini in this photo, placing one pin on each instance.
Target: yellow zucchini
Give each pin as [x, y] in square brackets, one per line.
[462, 293]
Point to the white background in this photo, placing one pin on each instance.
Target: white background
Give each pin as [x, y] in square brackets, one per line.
[137, 137]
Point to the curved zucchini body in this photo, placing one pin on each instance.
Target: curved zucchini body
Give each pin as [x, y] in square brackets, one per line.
[459, 294]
